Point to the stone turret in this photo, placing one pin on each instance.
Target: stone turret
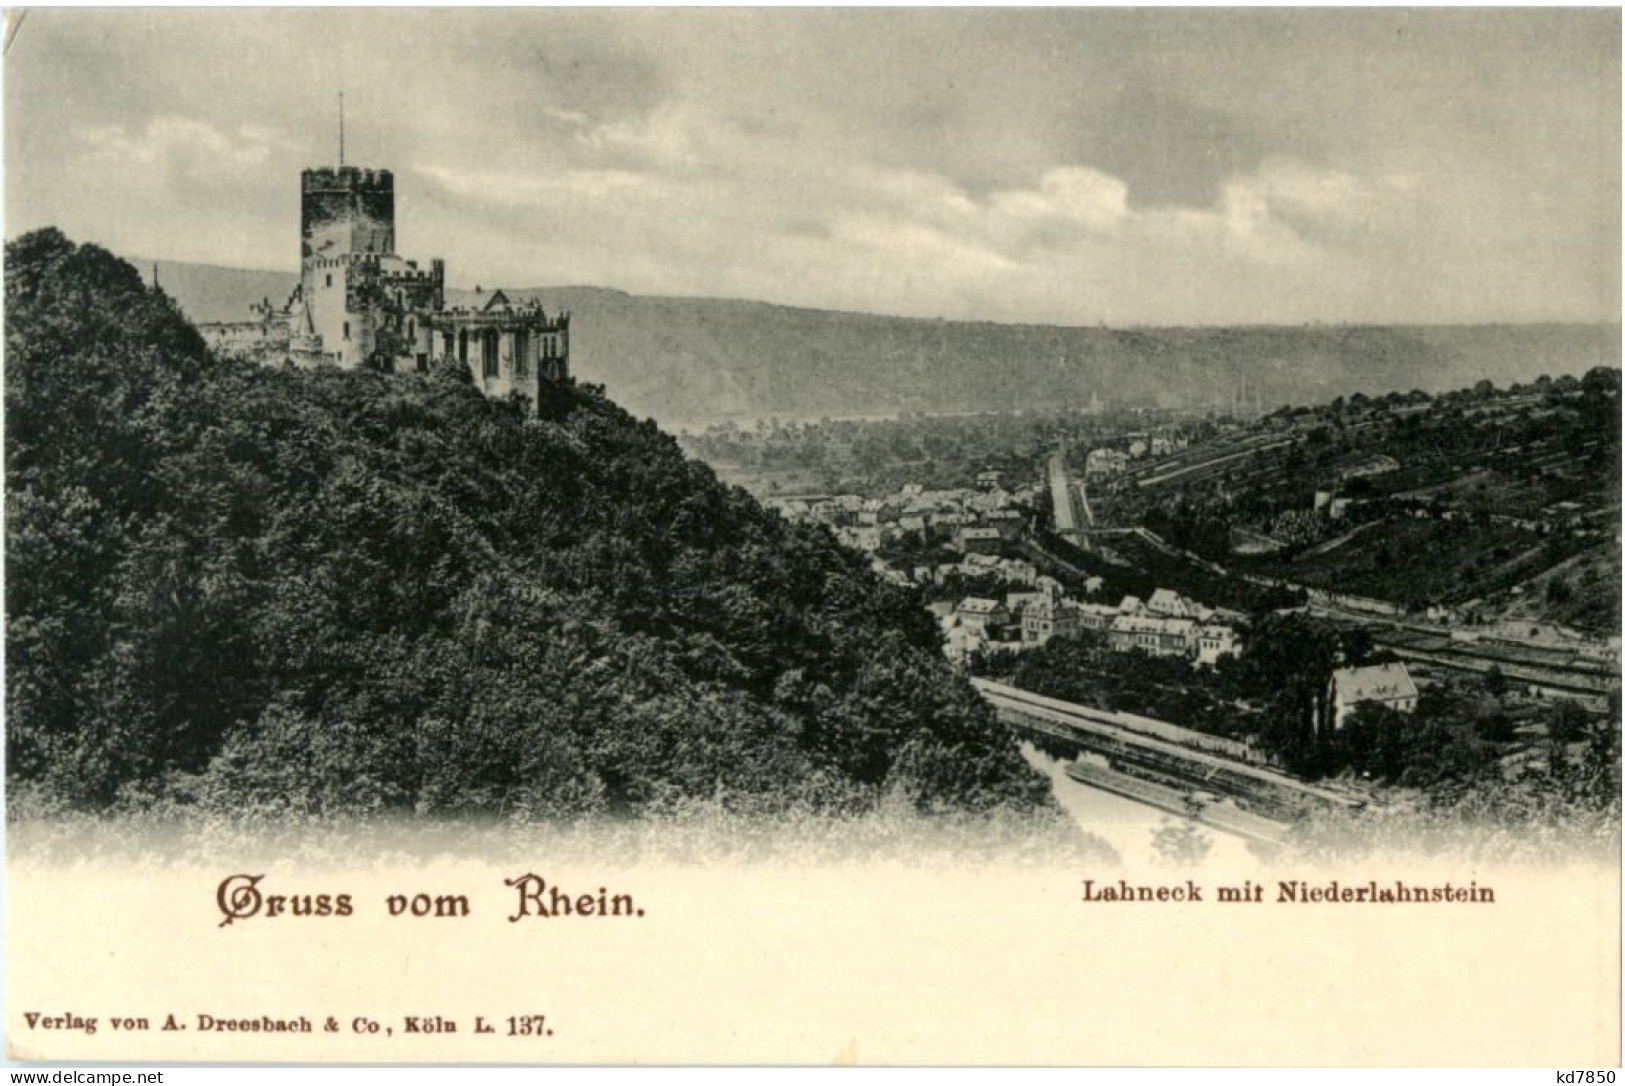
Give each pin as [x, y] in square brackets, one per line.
[346, 210]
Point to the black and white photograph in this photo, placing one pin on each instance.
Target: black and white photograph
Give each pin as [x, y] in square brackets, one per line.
[619, 461]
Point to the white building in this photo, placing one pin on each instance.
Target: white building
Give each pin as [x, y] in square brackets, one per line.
[1157, 636]
[1051, 615]
[1378, 684]
[1096, 616]
[1105, 462]
[1170, 604]
[980, 614]
[1214, 642]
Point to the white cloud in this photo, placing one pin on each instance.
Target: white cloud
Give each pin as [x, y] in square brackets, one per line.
[572, 117]
[536, 189]
[190, 147]
[1067, 248]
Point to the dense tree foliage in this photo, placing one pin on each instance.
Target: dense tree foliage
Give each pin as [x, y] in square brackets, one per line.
[311, 592]
[1274, 691]
[1084, 668]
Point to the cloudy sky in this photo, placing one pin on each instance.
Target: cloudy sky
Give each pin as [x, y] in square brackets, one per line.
[1067, 166]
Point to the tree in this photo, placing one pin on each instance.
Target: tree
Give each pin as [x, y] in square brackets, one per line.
[1599, 766]
[1373, 741]
[1496, 728]
[1567, 722]
[350, 592]
[1288, 663]
[1601, 379]
[1180, 843]
[1558, 591]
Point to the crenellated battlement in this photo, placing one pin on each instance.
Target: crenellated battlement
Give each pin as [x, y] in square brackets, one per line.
[410, 275]
[346, 179]
[529, 316]
[376, 266]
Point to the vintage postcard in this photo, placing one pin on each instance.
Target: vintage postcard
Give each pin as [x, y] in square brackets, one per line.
[805, 536]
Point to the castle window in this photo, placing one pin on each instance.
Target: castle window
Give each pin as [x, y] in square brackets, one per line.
[346, 329]
[488, 351]
[329, 278]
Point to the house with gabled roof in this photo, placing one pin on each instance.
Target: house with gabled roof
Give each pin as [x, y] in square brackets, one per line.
[1389, 685]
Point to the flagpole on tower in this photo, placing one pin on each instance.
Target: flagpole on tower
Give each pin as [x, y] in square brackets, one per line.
[341, 129]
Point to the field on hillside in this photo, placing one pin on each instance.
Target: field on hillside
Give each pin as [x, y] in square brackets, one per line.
[1583, 591]
[1417, 562]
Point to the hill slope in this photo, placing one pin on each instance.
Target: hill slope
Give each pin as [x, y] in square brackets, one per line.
[234, 587]
[687, 360]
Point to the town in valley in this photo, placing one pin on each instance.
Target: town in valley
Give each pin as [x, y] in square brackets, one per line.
[1249, 611]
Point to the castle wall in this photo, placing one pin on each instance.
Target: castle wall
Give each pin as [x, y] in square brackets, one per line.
[505, 351]
[326, 287]
[260, 341]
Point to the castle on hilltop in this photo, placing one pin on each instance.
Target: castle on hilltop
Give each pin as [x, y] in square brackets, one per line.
[358, 303]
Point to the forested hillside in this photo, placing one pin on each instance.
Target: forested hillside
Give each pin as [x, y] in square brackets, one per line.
[320, 592]
[689, 360]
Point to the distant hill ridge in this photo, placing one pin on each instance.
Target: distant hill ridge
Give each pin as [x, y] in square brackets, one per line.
[690, 360]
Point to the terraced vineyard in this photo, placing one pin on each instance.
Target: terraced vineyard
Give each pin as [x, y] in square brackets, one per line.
[1496, 504]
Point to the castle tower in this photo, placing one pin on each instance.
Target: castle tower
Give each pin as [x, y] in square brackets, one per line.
[346, 211]
[346, 227]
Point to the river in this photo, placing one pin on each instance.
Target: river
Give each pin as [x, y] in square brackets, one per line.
[1125, 825]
